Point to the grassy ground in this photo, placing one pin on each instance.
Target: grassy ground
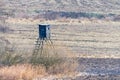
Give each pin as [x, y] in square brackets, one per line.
[72, 38]
[83, 38]
[15, 66]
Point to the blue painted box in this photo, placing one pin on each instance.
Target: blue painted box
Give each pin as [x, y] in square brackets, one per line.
[44, 31]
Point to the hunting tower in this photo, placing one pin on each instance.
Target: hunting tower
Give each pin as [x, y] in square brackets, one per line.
[43, 40]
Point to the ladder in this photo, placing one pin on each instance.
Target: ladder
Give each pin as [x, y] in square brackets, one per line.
[39, 46]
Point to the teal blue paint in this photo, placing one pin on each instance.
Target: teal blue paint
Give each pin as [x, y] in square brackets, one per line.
[44, 32]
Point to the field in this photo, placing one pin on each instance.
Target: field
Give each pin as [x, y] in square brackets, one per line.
[94, 42]
[84, 38]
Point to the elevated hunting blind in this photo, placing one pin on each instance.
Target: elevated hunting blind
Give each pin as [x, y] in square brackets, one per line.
[44, 32]
[43, 41]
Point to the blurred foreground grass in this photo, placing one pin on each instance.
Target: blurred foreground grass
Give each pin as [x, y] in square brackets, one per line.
[14, 66]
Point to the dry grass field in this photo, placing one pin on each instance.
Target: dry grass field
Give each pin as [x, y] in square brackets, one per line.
[84, 38]
[94, 42]
[85, 35]
[17, 46]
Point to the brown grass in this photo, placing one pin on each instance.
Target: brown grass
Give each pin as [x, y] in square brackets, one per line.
[23, 72]
[30, 72]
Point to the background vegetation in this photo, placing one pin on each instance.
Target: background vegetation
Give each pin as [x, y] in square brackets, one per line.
[87, 28]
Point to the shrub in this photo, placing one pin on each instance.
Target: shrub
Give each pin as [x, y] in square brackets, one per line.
[44, 60]
[8, 59]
